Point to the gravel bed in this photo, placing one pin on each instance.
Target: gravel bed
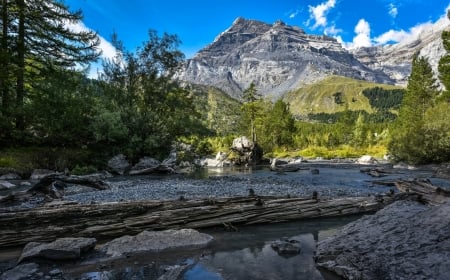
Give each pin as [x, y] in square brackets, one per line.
[172, 188]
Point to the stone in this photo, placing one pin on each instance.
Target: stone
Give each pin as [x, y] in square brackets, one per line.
[171, 160]
[242, 144]
[156, 241]
[68, 248]
[119, 164]
[174, 272]
[405, 240]
[146, 162]
[366, 159]
[4, 185]
[21, 272]
[38, 174]
[10, 176]
[286, 246]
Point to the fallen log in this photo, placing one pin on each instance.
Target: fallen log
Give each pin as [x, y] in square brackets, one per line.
[109, 220]
[53, 186]
[427, 192]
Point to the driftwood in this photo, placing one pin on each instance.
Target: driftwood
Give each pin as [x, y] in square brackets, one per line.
[53, 186]
[104, 221]
[425, 190]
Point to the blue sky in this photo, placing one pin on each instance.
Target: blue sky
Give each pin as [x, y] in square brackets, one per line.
[197, 23]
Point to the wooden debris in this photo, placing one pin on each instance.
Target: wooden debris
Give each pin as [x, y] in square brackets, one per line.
[104, 221]
[53, 186]
[427, 192]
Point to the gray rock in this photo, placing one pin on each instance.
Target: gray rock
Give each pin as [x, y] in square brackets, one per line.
[286, 246]
[119, 164]
[20, 272]
[145, 163]
[38, 174]
[242, 144]
[171, 160]
[405, 240]
[4, 185]
[60, 249]
[10, 176]
[156, 241]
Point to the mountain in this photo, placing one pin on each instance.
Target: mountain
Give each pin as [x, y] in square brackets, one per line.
[395, 60]
[278, 58]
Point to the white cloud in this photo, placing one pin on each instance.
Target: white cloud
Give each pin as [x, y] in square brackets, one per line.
[393, 11]
[294, 14]
[362, 38]
[392, 36]
[332, 30]
[318, 13]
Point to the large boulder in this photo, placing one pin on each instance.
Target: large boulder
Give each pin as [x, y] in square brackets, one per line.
[149, 165]
[119, 164]
[156, 241]
[242, 144]
[405, 240]
[61, 249]
[248, 151]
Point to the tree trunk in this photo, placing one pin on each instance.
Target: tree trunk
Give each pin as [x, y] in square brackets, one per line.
[20, 88]
[109, 220]
[4, 62]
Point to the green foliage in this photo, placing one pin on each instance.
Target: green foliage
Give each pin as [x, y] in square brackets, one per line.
[35, 40]
[444, 64]
[409, 142]
[149, 109]
[384, 99]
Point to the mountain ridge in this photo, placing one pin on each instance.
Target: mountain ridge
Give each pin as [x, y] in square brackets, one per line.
[279, 58]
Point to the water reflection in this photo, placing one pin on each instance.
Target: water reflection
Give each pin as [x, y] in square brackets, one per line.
[243, 255]
[248, 254]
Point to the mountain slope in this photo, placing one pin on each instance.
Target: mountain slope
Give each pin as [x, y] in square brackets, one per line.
[277, 58]
[322, 96]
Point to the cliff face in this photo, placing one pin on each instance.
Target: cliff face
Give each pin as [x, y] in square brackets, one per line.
[277, 58]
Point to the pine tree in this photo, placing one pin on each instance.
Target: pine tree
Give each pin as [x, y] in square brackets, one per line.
[407, 139]
[37, 36]
[251, 107]
[444, 63]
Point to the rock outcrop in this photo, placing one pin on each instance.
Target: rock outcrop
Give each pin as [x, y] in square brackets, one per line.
[276, 58]
[405, 240]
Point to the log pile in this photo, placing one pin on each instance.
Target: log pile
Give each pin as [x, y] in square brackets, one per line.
[104, 221]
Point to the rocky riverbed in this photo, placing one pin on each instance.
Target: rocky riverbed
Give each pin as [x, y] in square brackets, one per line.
[327, 180]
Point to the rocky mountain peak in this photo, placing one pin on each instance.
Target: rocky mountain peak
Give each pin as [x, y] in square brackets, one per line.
[276, 57]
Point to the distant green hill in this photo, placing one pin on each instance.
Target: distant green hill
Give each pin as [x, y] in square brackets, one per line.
[331, 95]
